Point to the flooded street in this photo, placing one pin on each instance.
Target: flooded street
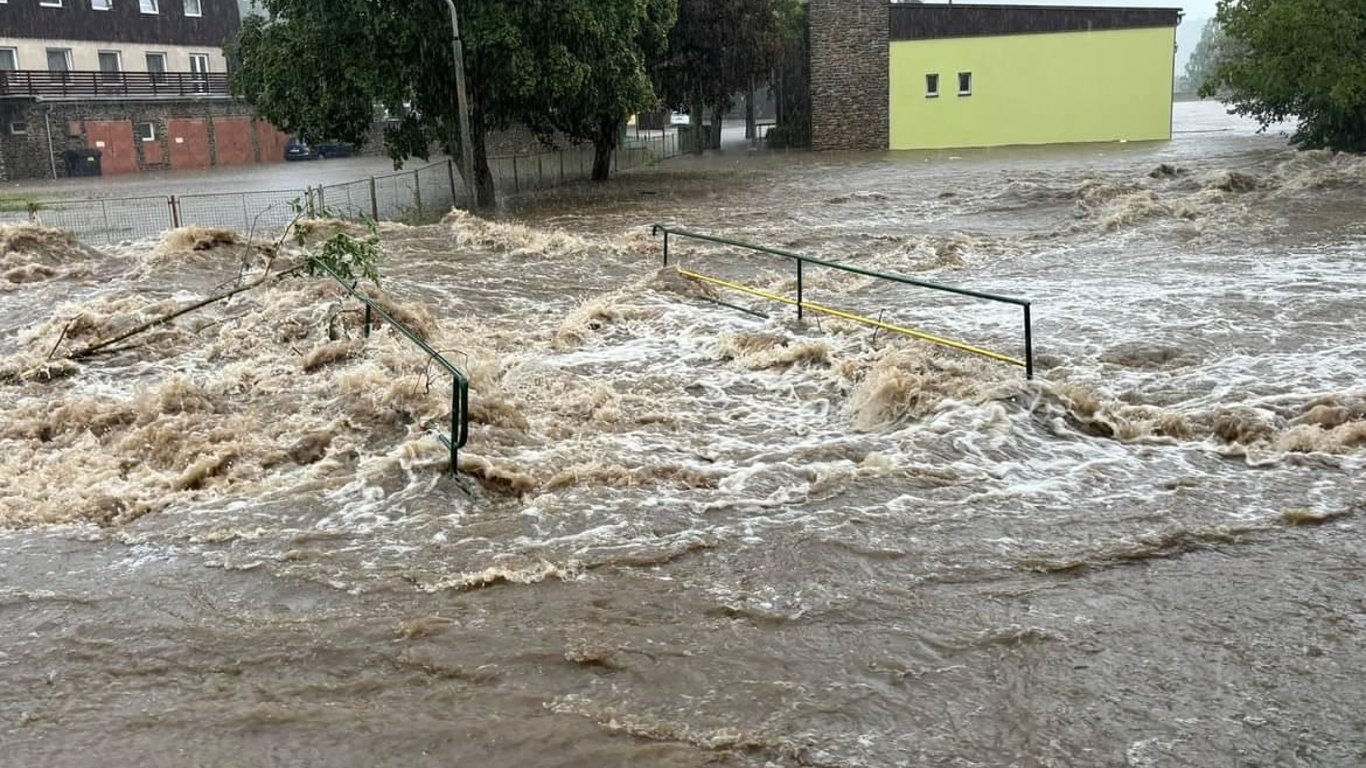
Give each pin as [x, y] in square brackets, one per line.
[691, 536]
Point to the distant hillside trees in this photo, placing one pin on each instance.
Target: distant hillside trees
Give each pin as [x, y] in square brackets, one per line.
[1204, 60]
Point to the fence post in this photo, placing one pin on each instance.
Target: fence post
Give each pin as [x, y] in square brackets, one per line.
[374, 200]
[801, 295]
[322, 200]
[108, 232]
[1029, 343]
[516, 182]
[175, 212]
[561, 154]
[246, 217]
[450, 171]
[540, 169]
[308, 202]
[417, 193]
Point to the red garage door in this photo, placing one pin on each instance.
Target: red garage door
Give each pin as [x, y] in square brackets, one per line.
[232, 138]
[189, 142]
[114, 140]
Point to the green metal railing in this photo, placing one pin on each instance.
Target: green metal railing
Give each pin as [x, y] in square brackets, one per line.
[460, 386]
[803, 305]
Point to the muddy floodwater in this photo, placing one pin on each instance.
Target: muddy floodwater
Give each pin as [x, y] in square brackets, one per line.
[686, 535]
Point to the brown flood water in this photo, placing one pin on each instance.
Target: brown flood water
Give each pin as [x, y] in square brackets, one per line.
[696, 537]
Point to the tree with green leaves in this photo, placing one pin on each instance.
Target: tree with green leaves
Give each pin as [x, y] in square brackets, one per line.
[1301, 59]
[715, 51]
[320, 69]
[596, 77]
[1205, 59]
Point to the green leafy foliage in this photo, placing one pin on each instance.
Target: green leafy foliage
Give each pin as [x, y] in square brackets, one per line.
[319, 69]
[349, 258]
[1300, 59]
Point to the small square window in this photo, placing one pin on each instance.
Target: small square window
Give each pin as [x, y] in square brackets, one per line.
[147, 131]
[149, 6]
[18, 128]
[932, 86]
[194, 8]
[50, 3]
[964, 83]
[101, 5]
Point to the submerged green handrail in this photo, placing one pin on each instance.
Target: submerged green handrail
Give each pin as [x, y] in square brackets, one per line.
[460, 389]
[802, 305]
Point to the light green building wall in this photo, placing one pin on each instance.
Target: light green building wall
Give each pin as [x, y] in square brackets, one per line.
[1034, 89]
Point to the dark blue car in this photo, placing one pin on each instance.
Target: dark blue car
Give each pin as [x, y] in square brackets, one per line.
[297, 149]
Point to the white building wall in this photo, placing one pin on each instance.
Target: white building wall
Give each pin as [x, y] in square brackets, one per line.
[32, 54]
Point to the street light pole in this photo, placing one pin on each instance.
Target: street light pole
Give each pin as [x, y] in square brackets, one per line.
[463, 107]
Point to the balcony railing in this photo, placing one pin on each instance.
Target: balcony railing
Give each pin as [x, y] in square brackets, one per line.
[42, 84]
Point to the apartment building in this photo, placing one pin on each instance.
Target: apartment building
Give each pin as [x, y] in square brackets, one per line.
[149, 36]
[122, 86]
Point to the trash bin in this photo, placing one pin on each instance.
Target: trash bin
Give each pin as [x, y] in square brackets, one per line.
[83, 162]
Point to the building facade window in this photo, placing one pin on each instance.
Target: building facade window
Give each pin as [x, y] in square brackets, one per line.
[147, 131]
[9, 59]
[156, 66]
[932, 86]
[964, 83]
[58, 59]
[199, 67]
[50, 3]
[18, 128]
[101, 5]
[149, 6]
[194, 8]
[111, 61]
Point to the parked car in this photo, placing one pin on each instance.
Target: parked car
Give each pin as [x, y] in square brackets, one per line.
[297, 149]
[336, 149]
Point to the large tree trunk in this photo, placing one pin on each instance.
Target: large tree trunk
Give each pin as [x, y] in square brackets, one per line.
[603, 143]
[696, 114]
[485, 192]
[750, 130]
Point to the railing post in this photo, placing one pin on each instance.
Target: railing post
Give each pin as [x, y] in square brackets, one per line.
[1029, 343]
[175, 212]
[801, 295]
[666, 247]
[367, 319]
[516, 182]
[450, 171]
[417, 194]
[561, 154]
[374, 200]
[455, 435]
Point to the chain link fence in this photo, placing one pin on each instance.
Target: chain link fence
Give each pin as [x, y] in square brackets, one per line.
[417, 196]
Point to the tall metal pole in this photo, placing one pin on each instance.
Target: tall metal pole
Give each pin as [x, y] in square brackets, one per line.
[463, 107]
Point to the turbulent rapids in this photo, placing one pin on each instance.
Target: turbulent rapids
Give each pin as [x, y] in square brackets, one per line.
[685, 535]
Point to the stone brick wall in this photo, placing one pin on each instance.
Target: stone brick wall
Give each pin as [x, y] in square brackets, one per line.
[850, 78]
[25, 156]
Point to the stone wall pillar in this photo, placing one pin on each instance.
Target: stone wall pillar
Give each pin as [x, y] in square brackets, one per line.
[850, 78]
